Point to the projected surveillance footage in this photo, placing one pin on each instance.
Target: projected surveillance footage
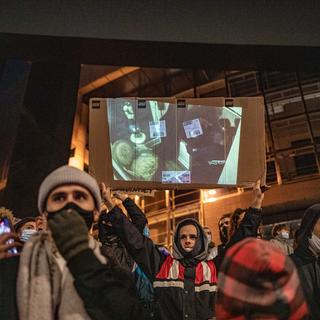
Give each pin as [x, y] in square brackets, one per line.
[157, 141]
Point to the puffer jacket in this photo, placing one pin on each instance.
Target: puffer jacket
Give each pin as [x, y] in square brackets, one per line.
[307, 263]
[183, 291]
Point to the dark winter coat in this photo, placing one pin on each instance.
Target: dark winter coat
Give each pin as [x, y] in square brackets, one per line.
[307, 263]
[248, 228]
[107, 293]
[183, 289]
[8, 276]
[112, 247]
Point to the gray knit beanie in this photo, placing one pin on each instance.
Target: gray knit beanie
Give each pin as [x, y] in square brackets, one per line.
[67, 175]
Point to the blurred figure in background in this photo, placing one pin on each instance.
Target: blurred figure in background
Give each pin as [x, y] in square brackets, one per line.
[224, 227]
[257, 281]
[25, 228]
[212, 249]
[235, 220]
[281, 238]
[245, 223]
[306, 257]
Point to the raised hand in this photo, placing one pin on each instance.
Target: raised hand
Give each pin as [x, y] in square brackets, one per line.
[258, 196]
[106, 196]
[5, 247]
[120, 195]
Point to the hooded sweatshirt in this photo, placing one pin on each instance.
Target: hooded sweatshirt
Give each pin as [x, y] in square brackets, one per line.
[184, 283]
[307, 262]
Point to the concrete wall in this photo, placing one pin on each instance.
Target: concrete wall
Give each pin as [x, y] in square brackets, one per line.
[241, 22]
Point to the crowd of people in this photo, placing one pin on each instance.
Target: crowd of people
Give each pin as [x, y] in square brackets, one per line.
[88, 257]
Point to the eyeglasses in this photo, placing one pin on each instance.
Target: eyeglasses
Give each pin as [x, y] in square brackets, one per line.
[190, 236]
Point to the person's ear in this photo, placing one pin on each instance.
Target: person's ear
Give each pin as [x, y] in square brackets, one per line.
[96, 215]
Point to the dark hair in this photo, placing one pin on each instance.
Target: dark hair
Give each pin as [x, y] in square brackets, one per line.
[276, 228]
[22, 222]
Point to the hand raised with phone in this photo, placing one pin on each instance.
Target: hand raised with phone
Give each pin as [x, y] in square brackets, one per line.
[9, 242]
[258, 195]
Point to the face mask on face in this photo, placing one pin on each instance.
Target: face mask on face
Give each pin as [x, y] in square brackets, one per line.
[284, 235]
[86, 215]
[314, 244]
[26, 234]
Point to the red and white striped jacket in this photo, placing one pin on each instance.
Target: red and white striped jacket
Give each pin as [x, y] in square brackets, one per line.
[171, 274]
[176, 292]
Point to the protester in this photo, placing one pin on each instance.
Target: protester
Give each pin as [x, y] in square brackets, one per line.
[281, 238]
[212, 249]
[235, 220]
[247, 227]
[9, 263]
[257, 281]
[224, 227]
[25, 228]
[113, 246]
[306, 258]
[184, 283]
[49, 286]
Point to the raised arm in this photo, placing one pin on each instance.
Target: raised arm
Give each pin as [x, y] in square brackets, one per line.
[249, 225]
[136, 215]
[141, 248]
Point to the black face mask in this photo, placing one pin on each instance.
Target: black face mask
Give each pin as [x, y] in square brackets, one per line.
[86, 215]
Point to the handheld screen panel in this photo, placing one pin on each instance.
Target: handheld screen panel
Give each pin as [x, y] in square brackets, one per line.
[167, 143]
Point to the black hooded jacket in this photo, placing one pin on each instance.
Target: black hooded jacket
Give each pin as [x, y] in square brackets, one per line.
[307, 263]
[184, 286]
[112, 246]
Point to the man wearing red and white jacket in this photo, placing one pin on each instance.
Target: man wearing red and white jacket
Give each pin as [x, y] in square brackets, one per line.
[184, 283]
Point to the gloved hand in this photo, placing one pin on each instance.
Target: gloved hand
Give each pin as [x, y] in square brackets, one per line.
[105, 227]
[69, 232]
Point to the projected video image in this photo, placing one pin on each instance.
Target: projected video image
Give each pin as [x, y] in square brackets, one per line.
[153, 140]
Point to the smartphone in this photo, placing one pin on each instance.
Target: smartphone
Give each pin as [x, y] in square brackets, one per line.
[6, 227]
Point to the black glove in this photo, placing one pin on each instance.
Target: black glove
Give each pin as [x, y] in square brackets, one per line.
[69, 232]
[105, 229]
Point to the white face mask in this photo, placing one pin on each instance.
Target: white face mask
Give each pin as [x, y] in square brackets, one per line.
[26, 234]
[314, 244]
[284, 234]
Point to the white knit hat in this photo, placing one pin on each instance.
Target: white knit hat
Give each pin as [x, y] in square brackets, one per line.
[67, 175]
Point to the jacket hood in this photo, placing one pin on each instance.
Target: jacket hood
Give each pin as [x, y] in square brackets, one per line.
[309, 219]
[178, 253]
